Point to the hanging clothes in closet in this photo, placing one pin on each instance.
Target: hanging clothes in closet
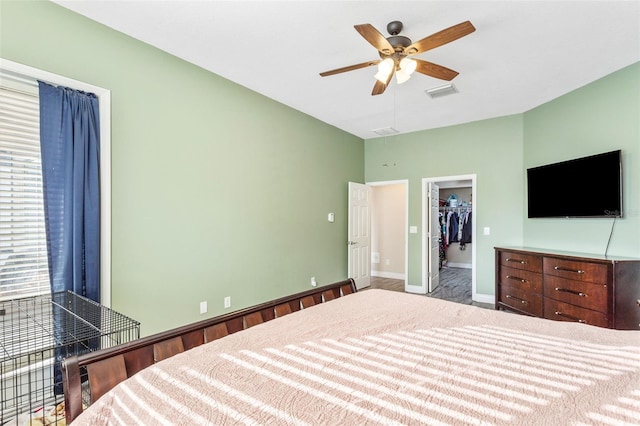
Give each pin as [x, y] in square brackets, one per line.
[456, 227]
[465, 229]
[442, 244]
[453, 227]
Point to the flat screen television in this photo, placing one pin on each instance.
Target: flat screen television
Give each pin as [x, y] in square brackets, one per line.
[583, 187]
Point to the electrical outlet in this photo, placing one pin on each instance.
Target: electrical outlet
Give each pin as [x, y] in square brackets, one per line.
[313, 282]
[227, 302]
[203, 307]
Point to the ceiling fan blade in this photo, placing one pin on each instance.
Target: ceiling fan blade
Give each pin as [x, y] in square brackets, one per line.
[350, 68]
[380, 87]
[442, 37]
[375, 38]
[435, 70]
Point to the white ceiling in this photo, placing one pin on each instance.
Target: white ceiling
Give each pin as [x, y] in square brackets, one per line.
[522, 54]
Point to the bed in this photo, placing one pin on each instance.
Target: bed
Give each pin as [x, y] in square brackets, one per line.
[382, 357]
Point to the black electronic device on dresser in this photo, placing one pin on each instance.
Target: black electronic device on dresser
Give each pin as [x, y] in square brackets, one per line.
[567, 286]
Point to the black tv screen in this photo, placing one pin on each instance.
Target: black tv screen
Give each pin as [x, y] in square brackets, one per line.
[583, 187]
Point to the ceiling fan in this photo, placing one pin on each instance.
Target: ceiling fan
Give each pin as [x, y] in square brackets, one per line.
[395, 51]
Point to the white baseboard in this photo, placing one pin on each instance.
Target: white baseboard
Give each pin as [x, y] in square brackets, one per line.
[458, 265]
[384, 274]
[484, 298]
[414, 289]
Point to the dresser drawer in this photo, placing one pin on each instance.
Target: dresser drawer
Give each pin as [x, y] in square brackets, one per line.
[522, 300]
[522, 279]
[524, 261]
[576, 270]
[583, 294]
[561, 311]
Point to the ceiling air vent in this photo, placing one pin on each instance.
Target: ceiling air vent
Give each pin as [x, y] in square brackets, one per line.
[440, 91]
[386, 131]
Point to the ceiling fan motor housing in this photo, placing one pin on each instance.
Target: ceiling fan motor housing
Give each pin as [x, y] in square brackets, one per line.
[398, 42]
[394, 27]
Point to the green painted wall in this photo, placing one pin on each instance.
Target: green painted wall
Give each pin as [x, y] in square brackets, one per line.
[600, 117]
[216, 190]
[490, 149]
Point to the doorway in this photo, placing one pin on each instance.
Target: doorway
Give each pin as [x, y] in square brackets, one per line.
[389, 219]
[456, 265]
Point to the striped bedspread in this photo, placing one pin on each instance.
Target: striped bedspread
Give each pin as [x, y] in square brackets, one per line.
[380, 357]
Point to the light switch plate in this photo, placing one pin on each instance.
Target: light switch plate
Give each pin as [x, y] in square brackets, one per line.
[413, 229]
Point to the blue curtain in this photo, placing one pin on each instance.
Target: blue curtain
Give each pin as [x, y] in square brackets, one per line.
[70, 149]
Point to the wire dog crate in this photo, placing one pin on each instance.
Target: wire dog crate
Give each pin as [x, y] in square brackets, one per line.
[36, 334]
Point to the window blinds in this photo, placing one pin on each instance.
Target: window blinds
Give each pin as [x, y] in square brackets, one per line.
[23, 252]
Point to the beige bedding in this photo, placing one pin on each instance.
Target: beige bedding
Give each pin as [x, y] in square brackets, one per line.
[380, 357]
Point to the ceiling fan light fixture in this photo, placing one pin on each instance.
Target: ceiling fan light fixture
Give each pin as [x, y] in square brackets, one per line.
[382, 78]
[386, 66]
[408, 65]
[402, 76]
[384, 69]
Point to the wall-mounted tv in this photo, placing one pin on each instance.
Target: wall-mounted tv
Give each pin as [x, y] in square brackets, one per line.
[582, 187]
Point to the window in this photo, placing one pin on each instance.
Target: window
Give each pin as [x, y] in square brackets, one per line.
[23, 251]
[23, 255]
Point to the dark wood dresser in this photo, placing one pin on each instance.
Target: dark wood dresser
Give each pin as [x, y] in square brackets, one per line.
[567, 286]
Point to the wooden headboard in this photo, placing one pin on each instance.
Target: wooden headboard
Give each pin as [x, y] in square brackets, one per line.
[107, 367]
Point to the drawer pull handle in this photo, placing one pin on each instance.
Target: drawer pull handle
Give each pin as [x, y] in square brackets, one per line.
[566, 290]
[511, 277]
[571, 317]
[575, 271]
[524, 302]
[508, 259]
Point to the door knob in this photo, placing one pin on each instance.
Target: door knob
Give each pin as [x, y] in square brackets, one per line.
[352, 243]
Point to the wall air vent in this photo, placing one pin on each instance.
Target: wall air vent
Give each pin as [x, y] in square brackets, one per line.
[440, 91]
[386, 131]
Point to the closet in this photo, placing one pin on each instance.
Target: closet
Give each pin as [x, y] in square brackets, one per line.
[456, 232]
[450, 257]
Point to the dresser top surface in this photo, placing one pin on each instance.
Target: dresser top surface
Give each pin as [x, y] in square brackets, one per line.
[543, 251]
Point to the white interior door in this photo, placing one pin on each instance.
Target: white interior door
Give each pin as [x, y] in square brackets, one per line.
[359, 234]
[433, 236]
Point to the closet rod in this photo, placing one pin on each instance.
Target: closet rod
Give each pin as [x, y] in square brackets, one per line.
[458, 208]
